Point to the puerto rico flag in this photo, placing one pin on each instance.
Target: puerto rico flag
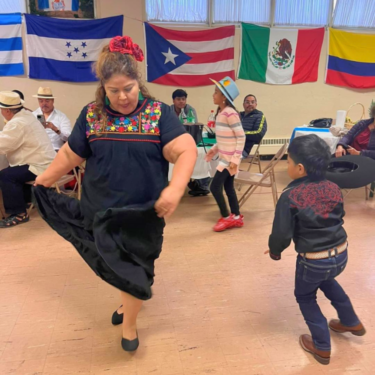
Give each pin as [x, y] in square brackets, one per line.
[189, 58]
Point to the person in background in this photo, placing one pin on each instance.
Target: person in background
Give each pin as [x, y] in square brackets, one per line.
[199, 187]
[180, 107]
[253, 122]
[29, 152]
[360, 139]
[22, 98]
[55, 122]
[310, 211]
[230, 142]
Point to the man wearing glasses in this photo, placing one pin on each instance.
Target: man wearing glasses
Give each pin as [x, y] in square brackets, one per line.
[253, 122]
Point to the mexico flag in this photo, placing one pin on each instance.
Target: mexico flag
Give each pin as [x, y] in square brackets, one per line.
[280, 56]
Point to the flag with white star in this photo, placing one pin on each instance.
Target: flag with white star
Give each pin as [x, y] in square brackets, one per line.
[189, 58]
[64, 50]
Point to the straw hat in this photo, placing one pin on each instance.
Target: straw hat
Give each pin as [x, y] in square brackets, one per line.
[44, 93]
[9, 100]
[228, 87]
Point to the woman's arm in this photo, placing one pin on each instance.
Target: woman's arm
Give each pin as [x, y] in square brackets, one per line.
[347, 139]
[182, 152]
[63, 163]
[368, 153]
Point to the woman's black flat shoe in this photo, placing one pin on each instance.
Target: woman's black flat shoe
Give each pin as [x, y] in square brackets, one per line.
[130, 345]
[117, 318]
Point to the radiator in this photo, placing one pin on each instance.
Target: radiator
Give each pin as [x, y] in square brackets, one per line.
[270, 146]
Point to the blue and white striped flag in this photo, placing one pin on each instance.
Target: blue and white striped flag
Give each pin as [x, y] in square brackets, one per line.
[11, 63]
[64, 50]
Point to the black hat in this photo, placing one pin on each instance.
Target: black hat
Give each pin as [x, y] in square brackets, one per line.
[351, 171]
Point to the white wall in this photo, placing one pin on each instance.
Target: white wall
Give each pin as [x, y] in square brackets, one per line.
[284, 106]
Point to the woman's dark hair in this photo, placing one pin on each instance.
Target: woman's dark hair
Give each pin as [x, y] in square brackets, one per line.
[20, 94]
[179, 93]
[313, 153]
[108, 64]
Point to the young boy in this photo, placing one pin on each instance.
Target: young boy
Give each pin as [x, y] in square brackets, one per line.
[310, 211]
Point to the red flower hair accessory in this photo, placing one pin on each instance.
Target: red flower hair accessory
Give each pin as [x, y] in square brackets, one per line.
[125, 45]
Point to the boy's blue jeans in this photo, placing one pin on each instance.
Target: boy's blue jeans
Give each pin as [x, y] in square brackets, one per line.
[312, 275]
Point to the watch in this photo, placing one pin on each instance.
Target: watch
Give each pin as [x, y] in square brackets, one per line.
[58, 131]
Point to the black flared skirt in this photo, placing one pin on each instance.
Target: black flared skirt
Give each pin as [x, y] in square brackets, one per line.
[122, 245]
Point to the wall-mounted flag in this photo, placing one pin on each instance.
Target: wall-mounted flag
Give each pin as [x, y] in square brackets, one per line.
[189, 58]
[64, 50]
[11, 62]
[280, 56]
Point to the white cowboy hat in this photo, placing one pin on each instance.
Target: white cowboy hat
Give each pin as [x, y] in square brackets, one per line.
[10, 100]
[44, 93]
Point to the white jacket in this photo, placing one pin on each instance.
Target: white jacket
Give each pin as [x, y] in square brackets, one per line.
[24, 141]
[61, 121]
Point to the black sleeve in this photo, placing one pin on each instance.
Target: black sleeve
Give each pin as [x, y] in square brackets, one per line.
[78, 140]
[170, 125]
[283, 227]
[259, 128]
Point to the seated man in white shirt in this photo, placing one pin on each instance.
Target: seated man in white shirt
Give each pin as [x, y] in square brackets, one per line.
[29, 152]
[56, 123]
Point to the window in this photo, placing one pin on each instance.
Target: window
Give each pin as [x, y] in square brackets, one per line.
[256, 11]
[12, 6]
[354, 13]
[302, 12]
[195, 11]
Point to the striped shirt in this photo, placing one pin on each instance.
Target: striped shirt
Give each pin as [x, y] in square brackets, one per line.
[230, 138]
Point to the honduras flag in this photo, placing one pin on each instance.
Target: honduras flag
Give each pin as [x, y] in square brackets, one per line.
[64, 50]
[11, 63]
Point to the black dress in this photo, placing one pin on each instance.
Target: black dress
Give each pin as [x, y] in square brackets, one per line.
[114, 227]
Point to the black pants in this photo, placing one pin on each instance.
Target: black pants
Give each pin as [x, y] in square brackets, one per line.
[251, 140]
[12, 181]
[225, 180]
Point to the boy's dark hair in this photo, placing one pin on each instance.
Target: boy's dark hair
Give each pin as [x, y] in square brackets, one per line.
[179, 93]
[250, 95]
[313, 153]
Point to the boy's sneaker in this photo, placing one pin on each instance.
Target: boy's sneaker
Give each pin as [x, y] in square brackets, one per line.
[238, 223]
[337, 326]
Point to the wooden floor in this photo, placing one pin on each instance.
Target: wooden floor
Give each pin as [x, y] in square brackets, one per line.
[220, 306]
